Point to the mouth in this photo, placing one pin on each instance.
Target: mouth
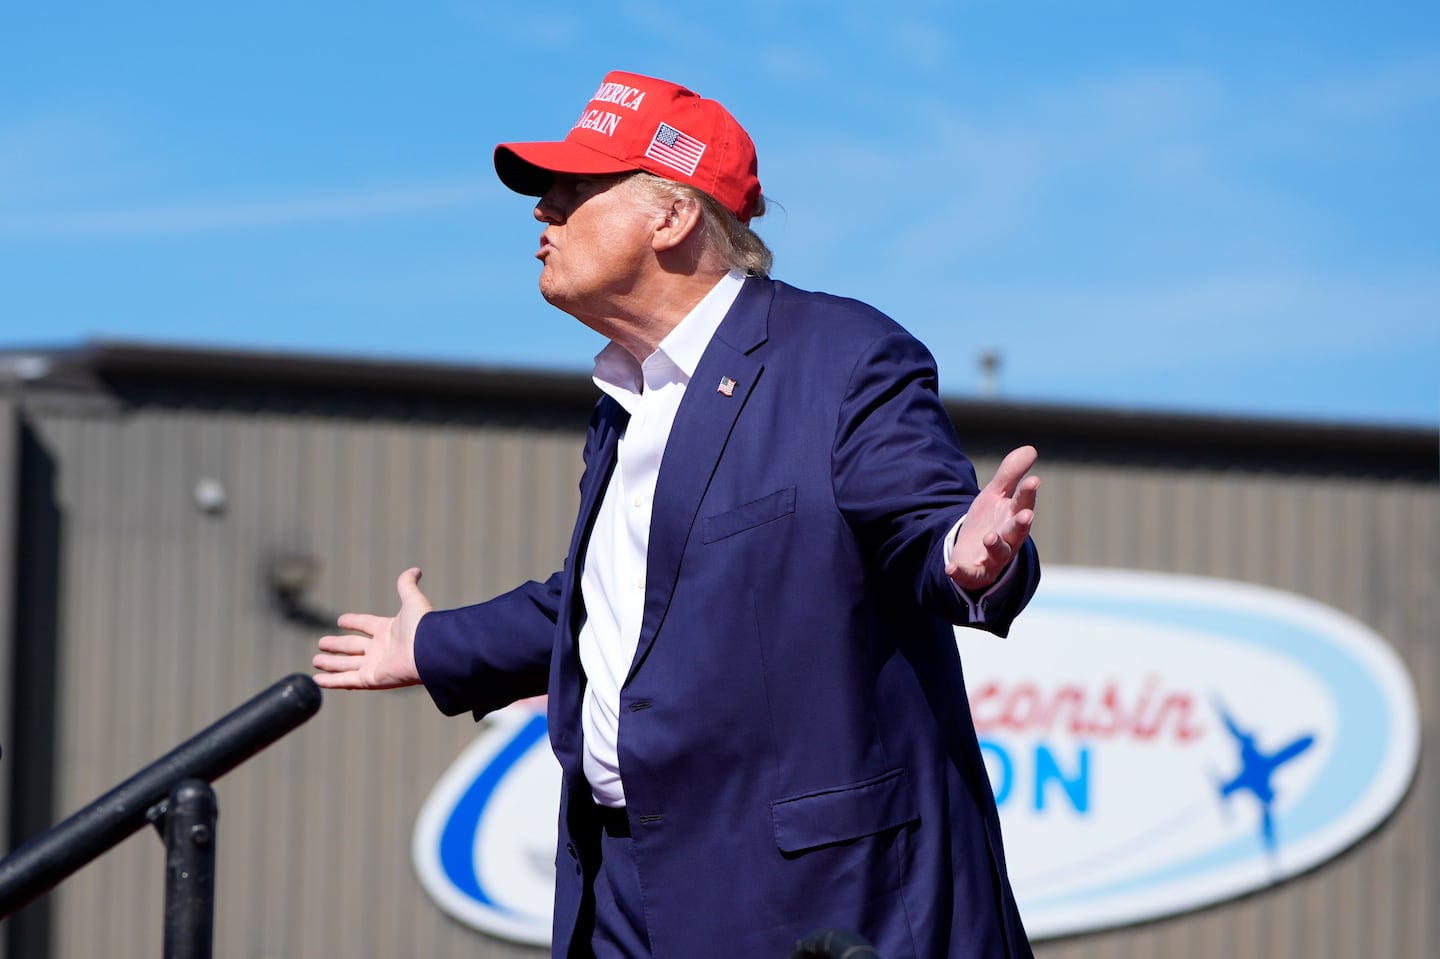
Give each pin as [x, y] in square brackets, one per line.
[545, 247]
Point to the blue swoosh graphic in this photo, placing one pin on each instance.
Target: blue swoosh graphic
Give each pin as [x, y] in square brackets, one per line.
[457, 839]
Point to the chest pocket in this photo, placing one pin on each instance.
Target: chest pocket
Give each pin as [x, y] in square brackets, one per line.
[754, 513]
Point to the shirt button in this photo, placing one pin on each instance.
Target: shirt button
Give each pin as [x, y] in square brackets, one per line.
[638, 502]
[639, 582]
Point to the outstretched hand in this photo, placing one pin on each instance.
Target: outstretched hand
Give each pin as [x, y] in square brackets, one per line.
[382, 656]
[998, 523]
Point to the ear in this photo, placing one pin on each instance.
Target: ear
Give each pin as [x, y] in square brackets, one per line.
[675, 225]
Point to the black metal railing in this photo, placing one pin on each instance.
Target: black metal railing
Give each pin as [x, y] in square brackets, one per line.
[173, 793]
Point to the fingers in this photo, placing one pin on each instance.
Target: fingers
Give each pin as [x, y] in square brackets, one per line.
[1000, 546]
[1018, 529]
[1013, 468]
[339, 660]
[348, 645]
[363, 623]
[368, 657]
[1011, 536]
[1003, 543]
[335, 663]
[997, 551]
[1025, 493]
[338, 680]
[998, 523]
[340, 654]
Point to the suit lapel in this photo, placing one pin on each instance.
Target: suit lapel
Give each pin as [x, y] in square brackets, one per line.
[610, 423]
[702, 428]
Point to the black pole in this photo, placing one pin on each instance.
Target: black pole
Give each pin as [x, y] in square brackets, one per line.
[48, 858]
[190, 819]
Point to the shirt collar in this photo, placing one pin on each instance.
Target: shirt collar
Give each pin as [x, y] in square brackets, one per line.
[622, 377]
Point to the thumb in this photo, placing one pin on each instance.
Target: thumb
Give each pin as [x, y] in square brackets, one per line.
[408, 586]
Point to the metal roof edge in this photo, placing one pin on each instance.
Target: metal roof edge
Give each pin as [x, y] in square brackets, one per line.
[1064, 430]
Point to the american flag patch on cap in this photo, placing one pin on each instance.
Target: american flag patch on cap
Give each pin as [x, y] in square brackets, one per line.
[674, 149]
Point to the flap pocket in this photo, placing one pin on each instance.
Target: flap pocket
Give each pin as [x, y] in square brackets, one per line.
[844, 812]
[763, 510]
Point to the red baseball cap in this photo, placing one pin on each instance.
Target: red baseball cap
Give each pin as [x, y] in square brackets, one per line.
[641, 123]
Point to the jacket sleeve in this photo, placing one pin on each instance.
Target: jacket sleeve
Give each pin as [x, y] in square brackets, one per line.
[480, 658]
[902, 482]
[486, 656]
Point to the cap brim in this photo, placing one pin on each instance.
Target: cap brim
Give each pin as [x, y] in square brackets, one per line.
[530, 168]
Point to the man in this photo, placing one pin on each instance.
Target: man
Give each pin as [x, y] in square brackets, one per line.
[754, 690]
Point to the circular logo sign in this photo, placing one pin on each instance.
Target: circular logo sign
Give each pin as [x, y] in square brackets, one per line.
[1157, 743]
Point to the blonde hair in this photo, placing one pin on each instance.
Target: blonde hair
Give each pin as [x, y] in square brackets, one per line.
[733, 244]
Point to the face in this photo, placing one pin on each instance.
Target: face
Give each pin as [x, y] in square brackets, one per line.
[594, 244]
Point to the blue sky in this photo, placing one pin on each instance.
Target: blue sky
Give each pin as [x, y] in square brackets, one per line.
[1221, 208]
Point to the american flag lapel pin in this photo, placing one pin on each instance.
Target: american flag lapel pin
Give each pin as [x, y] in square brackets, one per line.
[726, 387]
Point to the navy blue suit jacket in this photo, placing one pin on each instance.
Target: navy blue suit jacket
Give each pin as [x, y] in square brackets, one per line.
[795, 738]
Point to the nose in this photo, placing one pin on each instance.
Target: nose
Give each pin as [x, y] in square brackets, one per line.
[547, 210]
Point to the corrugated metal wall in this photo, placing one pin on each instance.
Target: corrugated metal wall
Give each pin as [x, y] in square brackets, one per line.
[167, 624]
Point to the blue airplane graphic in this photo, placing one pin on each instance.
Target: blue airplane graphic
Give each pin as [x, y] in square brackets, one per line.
[1256, 768]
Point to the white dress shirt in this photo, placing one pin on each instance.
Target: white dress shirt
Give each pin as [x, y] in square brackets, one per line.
[612, 582]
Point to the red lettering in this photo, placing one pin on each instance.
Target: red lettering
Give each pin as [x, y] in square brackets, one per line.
[979, 700]
[1107, 712]
[1021, 707]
